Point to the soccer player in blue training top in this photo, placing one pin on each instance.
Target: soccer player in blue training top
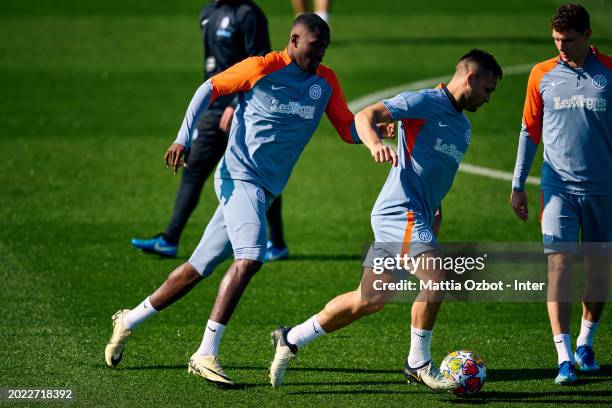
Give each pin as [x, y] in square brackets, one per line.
[566, 108]
[232, 30]
[283, 96]
[434, 136]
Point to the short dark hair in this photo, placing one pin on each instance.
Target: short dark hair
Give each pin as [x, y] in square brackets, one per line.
[312, 22]
[571, 17]
[485, 62]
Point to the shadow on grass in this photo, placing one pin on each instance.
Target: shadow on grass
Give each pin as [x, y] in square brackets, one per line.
[526, 374]
[324, 370]
[493, 375]
[572, 395]
[261, 368]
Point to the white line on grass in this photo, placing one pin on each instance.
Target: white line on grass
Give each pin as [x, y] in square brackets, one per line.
[360, 103]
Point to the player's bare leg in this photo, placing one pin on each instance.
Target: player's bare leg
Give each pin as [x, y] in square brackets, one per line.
[204, 362]
[351, 306]
[560, 266]
[338, 313]
[300, 6]
[419, 366]
[594, 299]
[232, 287]
[178, 283]
[322, 9]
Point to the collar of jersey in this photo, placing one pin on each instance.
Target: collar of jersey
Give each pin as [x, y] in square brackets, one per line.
[286, 56]
[449, 96]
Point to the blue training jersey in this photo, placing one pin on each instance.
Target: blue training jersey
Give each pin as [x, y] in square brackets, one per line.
[434, 135]
[279, 109]
[567, 109]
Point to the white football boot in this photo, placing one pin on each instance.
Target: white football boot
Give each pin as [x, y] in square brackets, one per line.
[116, 344]
[209, 368]
[285, 352]
[430, 375]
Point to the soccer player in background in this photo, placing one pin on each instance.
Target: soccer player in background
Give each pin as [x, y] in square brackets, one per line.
[321, 8]
[434, 136]
[566, 107]
[282, 97]
[232, 30]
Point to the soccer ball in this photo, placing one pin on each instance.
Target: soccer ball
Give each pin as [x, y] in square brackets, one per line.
[466, 369]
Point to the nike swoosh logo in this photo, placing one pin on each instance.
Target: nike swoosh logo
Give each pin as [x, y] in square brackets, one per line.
[116, 361]
[216, 373]
[276, 88]
[315, 329]
[157, 247]
[559, 342]
[418, 334]
[204, 22]
[211, 329]
[442, 124]
[556, 83]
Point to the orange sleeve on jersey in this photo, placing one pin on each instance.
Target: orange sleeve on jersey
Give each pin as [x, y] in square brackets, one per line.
[534, 106]
[243, 75]
[606, 60]
[337, 110]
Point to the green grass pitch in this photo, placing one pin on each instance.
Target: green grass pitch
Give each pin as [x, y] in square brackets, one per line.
[93, 93]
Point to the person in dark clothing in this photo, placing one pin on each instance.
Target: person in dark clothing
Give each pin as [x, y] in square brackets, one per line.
[232, 30]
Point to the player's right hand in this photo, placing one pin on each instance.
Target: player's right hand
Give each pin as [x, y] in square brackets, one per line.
[518, 201]
[384, 154]
[174, 156]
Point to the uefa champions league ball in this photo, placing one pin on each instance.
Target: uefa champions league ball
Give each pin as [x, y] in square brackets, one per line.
[466, 369]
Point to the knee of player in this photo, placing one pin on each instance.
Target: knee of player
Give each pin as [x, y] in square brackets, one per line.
[373, 305]
[184, 274]
[247, 266]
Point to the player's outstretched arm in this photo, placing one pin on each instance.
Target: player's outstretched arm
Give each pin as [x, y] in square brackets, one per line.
[365, 123]
[199, 103]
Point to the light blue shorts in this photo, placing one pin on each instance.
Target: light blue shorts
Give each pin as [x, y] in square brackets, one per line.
[239, 224]
[398, 234]
[570, 218]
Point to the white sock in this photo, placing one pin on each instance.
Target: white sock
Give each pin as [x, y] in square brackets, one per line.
[564, 353]
[587, 333]
[323, 14]
[419, 347]
[306, 332]
[139, 314]
[212, 337]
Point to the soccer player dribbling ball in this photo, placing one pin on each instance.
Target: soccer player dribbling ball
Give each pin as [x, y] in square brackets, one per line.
[434, 136]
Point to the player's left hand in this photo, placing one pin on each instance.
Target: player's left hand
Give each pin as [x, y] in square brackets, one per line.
[174, 156]
[226, 119]
[387, 130]
[383, 154]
